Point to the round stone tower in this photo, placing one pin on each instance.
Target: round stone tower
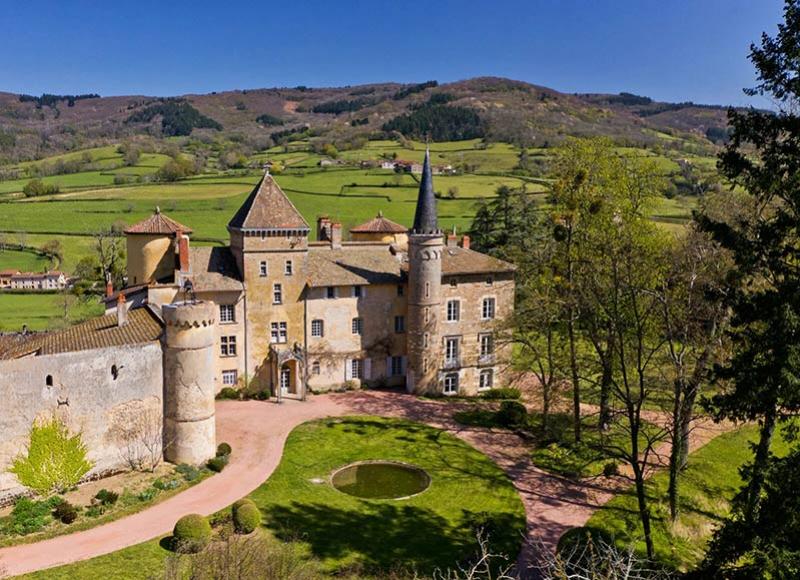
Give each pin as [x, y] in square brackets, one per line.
[189, 430]
[425, 246]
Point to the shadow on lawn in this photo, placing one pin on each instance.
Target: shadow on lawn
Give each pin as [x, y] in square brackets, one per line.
[381, 536]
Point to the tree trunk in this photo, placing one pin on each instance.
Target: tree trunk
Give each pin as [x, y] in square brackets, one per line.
[644, 511]
[576, 388]
[604, 420]
[676, 449]
[760, 464]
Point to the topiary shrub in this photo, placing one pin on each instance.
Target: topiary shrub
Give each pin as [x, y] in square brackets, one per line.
[55, 460]
[241, 502]
[217, 464]
[512, 414]
[223, 449]
[500, 394]
[247, 518]
[65, 512]
[229, 393]
[106, 497]
[191, 534]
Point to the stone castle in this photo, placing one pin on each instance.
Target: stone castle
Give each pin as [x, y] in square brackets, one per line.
[274, 313]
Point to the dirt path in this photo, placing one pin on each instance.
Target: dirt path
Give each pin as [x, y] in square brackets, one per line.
[257, 432]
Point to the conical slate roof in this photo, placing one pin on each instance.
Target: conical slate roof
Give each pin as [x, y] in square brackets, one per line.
[379, 225]
[157, 224]
[425, 220]
[267, 207]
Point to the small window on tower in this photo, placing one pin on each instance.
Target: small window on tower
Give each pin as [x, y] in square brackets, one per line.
[288, 268]
[48, 380]
[262, 269]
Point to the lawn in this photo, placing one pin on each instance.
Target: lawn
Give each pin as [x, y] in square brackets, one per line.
[707, 486]
[43, 311]
[434, 528]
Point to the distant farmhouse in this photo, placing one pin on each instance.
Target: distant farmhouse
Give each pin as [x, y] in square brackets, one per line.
[271, 312]
[16, 280]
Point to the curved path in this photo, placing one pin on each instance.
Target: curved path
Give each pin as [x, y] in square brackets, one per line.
[257, 432]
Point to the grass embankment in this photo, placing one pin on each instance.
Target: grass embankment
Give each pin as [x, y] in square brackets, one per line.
[23, 261]
[433, 529]
[706, 489]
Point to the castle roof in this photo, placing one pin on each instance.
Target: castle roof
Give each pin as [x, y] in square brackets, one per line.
[213, 269]
[157, 224]
[100, 332]
[353, 266]
[425, 220]
[459, 260]
[379, 225]
[268, 208]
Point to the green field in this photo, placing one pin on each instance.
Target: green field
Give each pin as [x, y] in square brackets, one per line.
[42, 311]
[23, 261]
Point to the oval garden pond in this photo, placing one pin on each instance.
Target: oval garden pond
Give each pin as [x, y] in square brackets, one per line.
[381, 480]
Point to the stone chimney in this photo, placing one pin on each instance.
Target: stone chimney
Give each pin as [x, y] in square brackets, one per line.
[336, 236]
[323, 228]
[465, 242]
[452, 240]
[122, 310]
[183, 252]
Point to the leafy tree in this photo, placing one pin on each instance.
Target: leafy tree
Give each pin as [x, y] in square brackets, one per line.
[762, 158]
[55, 460]
[54, 251]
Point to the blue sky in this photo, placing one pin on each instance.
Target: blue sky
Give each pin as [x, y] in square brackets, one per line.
[671, 50]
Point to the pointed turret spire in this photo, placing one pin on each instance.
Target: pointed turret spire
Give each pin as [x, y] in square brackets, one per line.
[425, 220]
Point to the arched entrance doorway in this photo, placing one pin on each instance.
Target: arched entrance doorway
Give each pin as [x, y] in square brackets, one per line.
[287, 373]
[287, 379]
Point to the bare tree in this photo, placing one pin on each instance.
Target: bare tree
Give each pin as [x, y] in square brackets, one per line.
[109, 248]
[138, 432]
[482, 567]
[595, 559]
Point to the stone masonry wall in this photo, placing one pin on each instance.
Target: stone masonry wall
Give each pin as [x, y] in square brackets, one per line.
[85, 395]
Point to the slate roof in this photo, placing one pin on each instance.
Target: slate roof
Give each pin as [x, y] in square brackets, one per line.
[213, 268]
[425, 220]
[267, 207]
[379, 225]
[99, 332]
[353, 266]
[158, 223]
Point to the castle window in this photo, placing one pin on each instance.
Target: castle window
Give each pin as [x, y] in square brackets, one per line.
[317, 328]
[453, 310]
[229, 377]
[358, 291]
[400, 290]
[396, 366]
[488, 308]
[330, 292]
[358, 326]
[486, 379]
[48, 380]
[262, 269]
[399, 324]
[357, 368]
[226, 313]
[451, 351]
[227, 345]
[288, 268]
[427, 289]
[114, 372]
[487, 344]
[315, 370]
[451, 384]
[425, 340]
[489, 281]
[453, 282]
[278, 332]
[277, 294]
